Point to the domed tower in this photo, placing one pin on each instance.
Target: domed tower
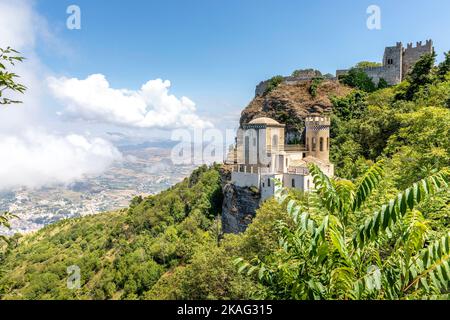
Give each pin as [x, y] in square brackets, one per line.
[318, 137]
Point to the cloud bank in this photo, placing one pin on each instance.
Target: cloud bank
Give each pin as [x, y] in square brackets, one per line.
[37, 158]
[152, 106]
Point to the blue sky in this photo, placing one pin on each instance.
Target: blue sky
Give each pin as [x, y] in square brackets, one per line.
[215, 52]
[85, 84]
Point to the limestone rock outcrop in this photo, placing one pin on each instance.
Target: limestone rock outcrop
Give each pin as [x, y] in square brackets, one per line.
[238, 208]
[291, 102]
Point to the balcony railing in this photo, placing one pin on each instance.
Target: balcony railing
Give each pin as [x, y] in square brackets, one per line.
[287, 148]
[250, 169]
[298, 170]
[294, 148]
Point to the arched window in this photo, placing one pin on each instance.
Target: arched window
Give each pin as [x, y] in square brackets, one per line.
[321, 144]
[268, 182]
[275, 142]
[293, 183]
[247, 149]
[313, 144]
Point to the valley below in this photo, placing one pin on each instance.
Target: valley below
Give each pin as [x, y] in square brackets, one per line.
[143, 171]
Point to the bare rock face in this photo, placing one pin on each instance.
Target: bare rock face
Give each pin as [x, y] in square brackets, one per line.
[238, 208]
[291, 102]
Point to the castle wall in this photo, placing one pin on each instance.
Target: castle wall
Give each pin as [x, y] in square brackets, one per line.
[397, 62]
[412, 54]
[389, 73]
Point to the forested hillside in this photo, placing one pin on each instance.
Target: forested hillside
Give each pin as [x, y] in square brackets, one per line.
[345, 241]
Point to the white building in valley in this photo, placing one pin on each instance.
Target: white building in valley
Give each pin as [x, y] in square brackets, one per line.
[261, 155]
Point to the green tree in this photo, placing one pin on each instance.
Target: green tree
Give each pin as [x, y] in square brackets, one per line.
[273, 83]
[444, 67]
[4, 222]
[382, 84]
[357, 78]
[7, 78]
[351, 106]
[420, 76]
[335, 251]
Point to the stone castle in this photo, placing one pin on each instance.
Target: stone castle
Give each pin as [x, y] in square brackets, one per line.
[397, 62]
[261, 155]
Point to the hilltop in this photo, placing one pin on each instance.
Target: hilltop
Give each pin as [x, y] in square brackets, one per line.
[290, 103]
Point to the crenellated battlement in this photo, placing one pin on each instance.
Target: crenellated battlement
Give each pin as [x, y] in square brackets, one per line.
[317, 121]
[428, 45]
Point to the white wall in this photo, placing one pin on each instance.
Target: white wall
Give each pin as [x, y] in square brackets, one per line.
[244, 179]
[266, 190]
[299, 181]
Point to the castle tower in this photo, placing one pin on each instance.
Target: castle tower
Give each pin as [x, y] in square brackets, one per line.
[412, 54]
[318, 137]
[393, 64]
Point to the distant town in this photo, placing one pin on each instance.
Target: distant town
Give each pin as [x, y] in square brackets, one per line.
[144, 171]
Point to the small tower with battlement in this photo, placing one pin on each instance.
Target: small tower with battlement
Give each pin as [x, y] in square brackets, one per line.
[412, 54]
[318, 137]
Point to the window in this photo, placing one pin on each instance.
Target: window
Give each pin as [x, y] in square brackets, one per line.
[307, 184]
[247, 149]
[268, 182]
[321, 144]
[293, 183]
[390, 61]
[328, 144]
[313, 144]
[275, 142]
[287, 162]
[307, 144]
[263, 185]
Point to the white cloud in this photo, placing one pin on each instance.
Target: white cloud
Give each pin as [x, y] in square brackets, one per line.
[150, 107]
[37, 158]
[29, 155]
[16, 24]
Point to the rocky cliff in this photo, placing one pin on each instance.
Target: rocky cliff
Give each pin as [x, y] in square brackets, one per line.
[238, 208]
[291, 102]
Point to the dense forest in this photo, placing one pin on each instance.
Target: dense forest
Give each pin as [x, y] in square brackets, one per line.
[379, 230]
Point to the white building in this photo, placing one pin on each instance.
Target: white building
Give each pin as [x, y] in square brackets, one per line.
[260, 155]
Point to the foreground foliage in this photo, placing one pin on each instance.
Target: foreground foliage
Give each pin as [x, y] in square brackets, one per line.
[7, 78]
[333, 251]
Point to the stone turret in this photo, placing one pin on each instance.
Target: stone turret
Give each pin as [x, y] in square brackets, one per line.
[318, 137]
[412, 54]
